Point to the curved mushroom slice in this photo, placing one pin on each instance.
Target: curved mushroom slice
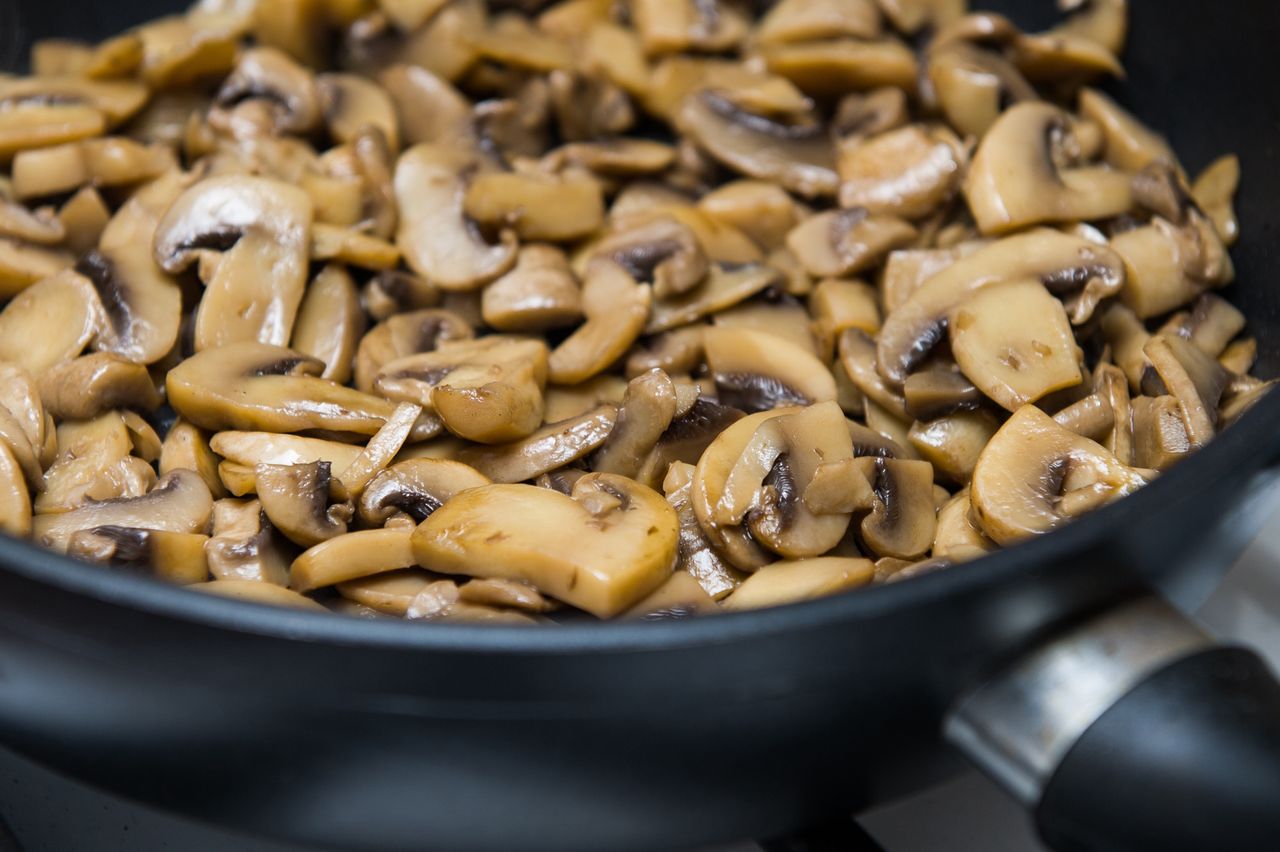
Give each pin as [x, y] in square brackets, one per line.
[756, 371]
[911, 16]
[1105, 22]
[21, 224]
[615, 54]
[367, 553]
[1061, 262]
[428, 109]
[784, 317]
[1015, 179]
[958, 538]
[435, 235]
[443, 601]
[903, 518]
[973, 85]
[387, 592]
[110, 162]
[835, 66]
[663, 251]
[352, 247]
[178, 52]
[295, 498]
[83, 219]
[243, 546]
[1195, 380]
[273, 77]
[1062, 58]
[624, 540]
[180, 503]
[416, 488]
[50, 322]
[621, 157]
[380, 451]
[857, 352]
[934, 393]
[256, 386]
[187, 447]
[588, 107]
[646, 412]
[674, 352]
[696, 555]
[395, 291]
[1213, 324]
[537, 206]
[617, 309]
[686, 439]
[1014, 342]
[1214, 190]
[550, 448]
[20, 397]
[681, 596]
[404, 335]
[1169, 265]
[1112, 387]
[330, 323]
[1091, 417]
[29, 125]
[761, 210]
[1160, 437]
[564, 403]
[176, 557]
[672, 26]
[487, 390]
[908, 172]
[42, 111]
[839, 243]
[799, 157]
[809, 20]
[25, 453]
[252, 591]
[1035, 475]
[953, 442]
[540, 293]
[92, 462]
[259, 231]
[92, 384]
[15, 499]
[350, 103]
[22, 266]
[800, 580]
[1128, 144]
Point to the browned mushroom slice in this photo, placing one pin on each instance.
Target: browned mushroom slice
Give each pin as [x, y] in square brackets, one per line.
[442, 600]
[1169, 264]
[952, 442]
[428, 109]
[540, 293]
[115, 100]
[296, 500]
[1128, 144]
[663, 251]
[903, 518]
[1016, 180]
[536, 206]
[1214, 190]
[352, 247]
[800, 580]
[330, 323]
[20, 397]
[395, 291]
[800, 157]
[172, 556]
[756, 371]
[15, 499]
[1194, 379]
[1061, 262]
[617, 309]
[958, 538]
[696, 555]
[435, 235]
[1105, 22]
[785, 318]
[178, 53]
[350, 103]
[244, 451]
[416, 488]
[83, 219]
[613, 53]
[89, 385]
[1159, 432]
[907, 172]
[646, 412]
[857, 352]
[809, 20]
[844, 242]
[933, 393]
[255, 386]
[259, 231]
[910, 16]
[252, 591]
[681, 596]
[1035, 475]
[23, 265]
[380, 451]
[674, 352]
[1112, 386]
[834, 66]
[110, 162]
[187, 447]
[271, 76]
[93, 461]
[761, 210]
[26, 454]
[670, 26]
[350, 557]
[1212, 324]
[622, 157]
[550, 448]
[23, 225]
[404, 335]
[1092, 416]
[50, 322]
[973, 85]
[116, 57]
[389, 592]
[180, 502]
[906, 270]
[1061, 57]
[1014, 342]
[243, 545]
[564, 403]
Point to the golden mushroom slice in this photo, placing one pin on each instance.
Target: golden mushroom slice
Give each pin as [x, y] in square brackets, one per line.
[857, 354]
[908, 172]
[487, 390]
[15, 499]
[256, 386]
[1214, 190]
[83, 218]
[330, 323]
[252, 591]
[832, 67]
[624, 539]
[25, 453]
[1062, 262]
[416, 488]
[350, 103]
[756, 370]
[671, 26]
[911, 16]
[1023, 174]
[674, 352]
[258, 230]
[176, 557]
[936, 392]
[565, 402]
[1014, 342]
[662, 251]
[367, 553]
[23, 225]
[540, 293]
[178, 52]
[42, 111]
[1160, 437]
[93, 462]
[973, 85]
[271, 76]
[1127, 143]
[442, 600]
[958, 538]
[785, 318]
[800, 580]
[50, 322]
[428, 108]
[1213, 324]
[557, 208]
[295, 498]
[903, 517]
[109, 162]
[435, 236]
[618, 157]
[243, 545]
[1195, 380]
[646, 412]
[92, 384]
[617, 310]
[839, 243]
[809, 20]
[1170, 263]
[187, 447]
[180, 503]
[550, 448]
[23, 265]
[250, 449]
[403, 335]
[717, 577]
[1036, 475]
[953, 442]
[760, 209]
[380, 451]
[681, 596]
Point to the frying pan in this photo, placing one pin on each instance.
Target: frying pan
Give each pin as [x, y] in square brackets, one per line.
[1054, 665]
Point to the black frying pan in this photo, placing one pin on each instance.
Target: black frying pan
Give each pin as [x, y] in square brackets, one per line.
[368, 735]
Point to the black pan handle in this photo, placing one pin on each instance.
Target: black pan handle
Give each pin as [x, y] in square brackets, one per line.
[1134, 732]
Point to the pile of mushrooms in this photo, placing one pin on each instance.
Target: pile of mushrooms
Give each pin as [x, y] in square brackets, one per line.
[593, 308]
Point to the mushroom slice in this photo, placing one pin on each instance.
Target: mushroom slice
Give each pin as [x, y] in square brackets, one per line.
[84, 219]
[620, 157]
[1060, 261]
[663, 251]
[646, 412]
[50, 322]
[1058, 57]
[510, 39]
[615, 54]
[1159, 432]
[696, 556]
[1035, 475]
[92, 462]
[428, 108]
[15, 499]
[330, 323]
[784, 317]
[250, 449]
[973, 85]
[367, 553]
[259, 231]
[24, 265]
[388, 592]
[251, 591]
[800, 580]
[352, 247]
[1014, 342]
[617, 309]
[1015, 179]
[835, 66]
[1112, 386]
[381, 449]
[673, 352]
[110, 162]
[953, 442]
[177, 52]
[442, 601]
[92, 384]
[25, 453]
[395, 291]
[416, 488]
[31, 124]
[19, 223]
[564, 403]
[757, 371]
[243, 547]
[550, 448]
[187, 447]
[799, 157]
[435, 235]
[857, 352]
[487, 390]
[903, 519]
[1213, 324]
[761, 210]
[911, 16]
[180, 503]
[1105, 22]
[404, 335]
[1195, 380]
[839, 243]
[958, 538]
[810, 20]
[540, 293]
[537, 206]
[908, 172]
[934, 393]
[1169, 265]
[1214, 190]
[20, 397]
[176, 557]
[624, 538]
[270, 75]
[1091, 417]
[681, 596]
[350, 103]
[1127, 143]
[673, 26]
[256, 386]
[295, 498]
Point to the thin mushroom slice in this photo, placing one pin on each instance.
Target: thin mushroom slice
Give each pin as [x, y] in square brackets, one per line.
[110, 162]
[908, 172]
[540, 293]
[686, 439]
[550, 448]
[808, 20]
[330, 323]
[624, 540]
[674, 352]
[50, 322]
[93, 462]
[243, 546]
[1105, 22]
[259, 231]
[958, 538]
[536, 206]
[664, 252]
[934, 393]
[270, 75]
[21, 266]
[176, 557]
[92, 384]
[435, 235]
[15, 499]
[1214, 190]
[251, 591]
[953, 442]
[32, 125]
[510, 594]
[23, 225]
[1127, 143]
[911, 16]
[717, 577]
[350, 103]
[617, 310]
[800, 580]
[857, 352]
[646, 412]
[250, 449]
[564, 402]
[356, 555]
[681, 596]
[395, 291]
[1194, 379]
[416, 488]
[756, 371]
[761, 210]
[1015, 180]
[442, 601]
[619, 157]
[295, 498]
[187, 447]
[1160, 437]
[903, 519]
[834, 66]
[973, 85]
[379, 452]
[670, 26]
[404, 335]
[840, 243]
[1035, 475]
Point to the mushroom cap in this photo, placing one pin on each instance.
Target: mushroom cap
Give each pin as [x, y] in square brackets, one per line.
[756, 370]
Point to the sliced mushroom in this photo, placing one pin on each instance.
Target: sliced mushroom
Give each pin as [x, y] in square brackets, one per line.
[540, 293]
[934, 393]
[43, 111]
[187, 447]
[784, 317]
[177, 52]
[646, 412]
[243, 546]
[330, 323]
[1240, 356]
[564, 403]
[1129, 145]
[271, 76]
[1215, 190]
[834, 66]
[857, 353]
[388, 592]
[295, 498]
[839, 243]
[622, 157]
[22, 266]
[681, 596]
[435, 235]
[686, 439]
[973, 85]
[550, 448]
[1194, 379]
[903, 518]
[93, 462]
[953, 442]
[911, 16]
[670, 26]
[536, 206]
[1160, 437]
[761, 210]
[404, 335]
[906, 270]
[958, 538]
[379, 452]
[696, 556]
[443, 600]
[908, 172]
[663, 251]
[350, 103]
[416, 488]
[256, 386]
[50, 322]
[395, 291]
[800, 580]
[21, 224]
[252, 591]
[110, 162]
[172, 556]
[1016, 179]
[756, 371]
[1169, 265]
[89, 385]
[15, 499]
[673, 352]
[808, 20]
[259, 230]
[1035, 475]
[617, 310]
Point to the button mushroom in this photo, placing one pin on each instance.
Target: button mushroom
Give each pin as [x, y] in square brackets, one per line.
[416, 488]
[243, 546]
[663, 252]
[187, 447]
[1194, 379]
[536, 206]
[87, 386]
[15, 499]
[270, 75]
[540, 293]
[756, 371]
[295, 498]
[50, 322]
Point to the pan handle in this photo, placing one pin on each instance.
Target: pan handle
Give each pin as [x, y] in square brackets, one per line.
[1133, 731]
